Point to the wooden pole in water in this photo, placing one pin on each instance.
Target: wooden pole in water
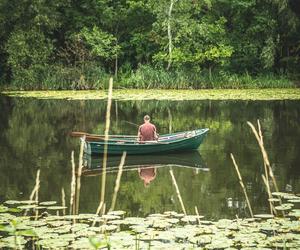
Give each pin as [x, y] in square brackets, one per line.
[79, 171]
[242, 184]
[177, 191]
[73, 184]
[118, 180]
[63, 200]
[107, 125]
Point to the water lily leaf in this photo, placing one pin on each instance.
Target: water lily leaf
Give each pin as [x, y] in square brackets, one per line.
[40, 208]
[3, 209]
[52, 243]
[97, 242]
[56, 207]
[110, 217]
[27, 233]
[191, 218]
[82, 243]
[116, 222]
[47, 203]
[36, 223]
[48, 236]
[58, 223]
[14, 210]
[285, 206]
[264, 216]
[12, 202]
[133, 221]
[117, 213]
[294, 201]
[87, 216]
[27, 207]
[274, 200]
[79, 226]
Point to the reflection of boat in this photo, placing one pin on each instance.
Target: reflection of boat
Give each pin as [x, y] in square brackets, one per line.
[181, 141]
[191, 159]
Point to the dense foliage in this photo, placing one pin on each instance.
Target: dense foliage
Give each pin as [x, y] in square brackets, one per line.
[144, 43]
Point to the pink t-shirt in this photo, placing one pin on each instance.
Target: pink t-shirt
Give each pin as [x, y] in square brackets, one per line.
[147, 132]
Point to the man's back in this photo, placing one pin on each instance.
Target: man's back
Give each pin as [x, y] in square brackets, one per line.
[147, 132]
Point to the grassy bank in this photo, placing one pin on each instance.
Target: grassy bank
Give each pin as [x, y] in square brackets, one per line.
[92, 77]
[161, 94]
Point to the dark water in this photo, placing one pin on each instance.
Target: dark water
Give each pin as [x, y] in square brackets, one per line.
[34, 135]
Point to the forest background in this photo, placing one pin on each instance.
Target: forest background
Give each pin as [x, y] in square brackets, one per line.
[79, 44]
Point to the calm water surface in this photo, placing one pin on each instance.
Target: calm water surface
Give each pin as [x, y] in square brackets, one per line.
[34, 135]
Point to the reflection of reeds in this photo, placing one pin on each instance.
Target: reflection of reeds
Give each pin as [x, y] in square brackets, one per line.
[198, 216]
[73, 185]
[118, 180]
[35, 192]
[63, 200]
[107, 125]
[242, 184]
[177, 191]
[97, 213]
[79, 171]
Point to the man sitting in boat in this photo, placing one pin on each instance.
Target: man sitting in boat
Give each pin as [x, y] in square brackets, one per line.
[147, 131]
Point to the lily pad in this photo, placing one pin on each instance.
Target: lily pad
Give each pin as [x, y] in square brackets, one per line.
[117, 213]
[285, 206]
[264, 216]
[3, 209]
[56, 207]
[47, 203]
[24, 207]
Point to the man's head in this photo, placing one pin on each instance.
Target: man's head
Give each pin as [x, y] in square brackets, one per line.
[146, 118]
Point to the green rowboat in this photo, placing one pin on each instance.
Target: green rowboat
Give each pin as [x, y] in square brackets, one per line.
[181, 141]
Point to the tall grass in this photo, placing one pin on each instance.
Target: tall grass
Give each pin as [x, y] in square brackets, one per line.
[149, 77]
[93, 76]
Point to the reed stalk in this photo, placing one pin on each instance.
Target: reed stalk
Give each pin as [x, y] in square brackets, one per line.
[73, 184]
[97, 212]
[242, 184]
[36, 186]
[118, 180]
[272, 209]
[177, 191]
[198, 216]
[107, 125]
[35, 192]
[63, 200]
[79, 172]
[259, 138]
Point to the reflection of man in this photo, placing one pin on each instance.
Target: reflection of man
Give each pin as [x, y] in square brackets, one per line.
[147, 131]
[147, 174]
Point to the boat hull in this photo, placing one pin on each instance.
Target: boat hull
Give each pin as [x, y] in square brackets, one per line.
[135, 148]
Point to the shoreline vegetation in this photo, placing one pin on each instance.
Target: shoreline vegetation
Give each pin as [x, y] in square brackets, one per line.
[163, 94]
[146, 44]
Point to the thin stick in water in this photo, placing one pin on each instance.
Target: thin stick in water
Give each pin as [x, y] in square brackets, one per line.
[198, 216]
[107, 125]
[63, 200]
[272, 209]
[177, 191]
[242, 184]
[97, 213]
[73, 184]
[118, 180]
[79, 171]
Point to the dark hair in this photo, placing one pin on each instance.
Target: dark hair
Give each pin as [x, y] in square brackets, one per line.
[147, 117]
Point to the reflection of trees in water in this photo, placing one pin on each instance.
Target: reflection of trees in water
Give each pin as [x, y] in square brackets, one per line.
[34, 134]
